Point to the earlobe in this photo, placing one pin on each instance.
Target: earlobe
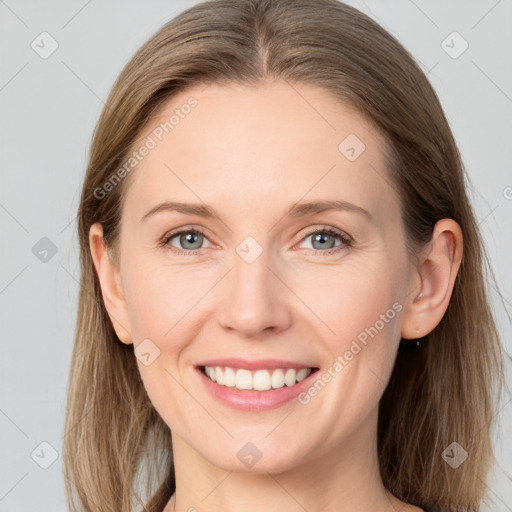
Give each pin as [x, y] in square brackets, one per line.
[433, 280]
[111, 289]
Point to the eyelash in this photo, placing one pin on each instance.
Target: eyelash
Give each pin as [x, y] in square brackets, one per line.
[346, 240]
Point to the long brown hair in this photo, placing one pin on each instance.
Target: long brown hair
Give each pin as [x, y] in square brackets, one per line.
[444, 391]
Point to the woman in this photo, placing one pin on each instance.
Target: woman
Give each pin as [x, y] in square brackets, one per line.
[326, 342]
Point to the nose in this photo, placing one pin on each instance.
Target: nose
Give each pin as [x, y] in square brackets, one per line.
[256, 298]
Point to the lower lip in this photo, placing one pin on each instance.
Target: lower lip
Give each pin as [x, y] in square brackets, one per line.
[251, 400]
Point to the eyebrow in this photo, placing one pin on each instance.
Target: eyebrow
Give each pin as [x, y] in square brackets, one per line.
[296, 210]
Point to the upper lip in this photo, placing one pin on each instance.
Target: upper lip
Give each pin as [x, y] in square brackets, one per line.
[254, 364]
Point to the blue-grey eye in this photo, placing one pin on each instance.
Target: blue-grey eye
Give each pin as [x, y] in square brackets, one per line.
[189, 239]
[324, 239]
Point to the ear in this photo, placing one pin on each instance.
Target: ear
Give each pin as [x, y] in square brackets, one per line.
[110, 282]
[432, 280]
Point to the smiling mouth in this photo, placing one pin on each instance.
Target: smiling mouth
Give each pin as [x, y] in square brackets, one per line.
[256, 380]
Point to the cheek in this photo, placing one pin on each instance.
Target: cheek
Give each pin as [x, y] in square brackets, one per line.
[162, 299]
[161, 302]
[350, 299]
[369, 350]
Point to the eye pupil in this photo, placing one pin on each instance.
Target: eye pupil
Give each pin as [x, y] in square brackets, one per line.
[188, 237]
[320, 237]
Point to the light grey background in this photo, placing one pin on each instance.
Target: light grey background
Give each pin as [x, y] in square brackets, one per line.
[48, 111]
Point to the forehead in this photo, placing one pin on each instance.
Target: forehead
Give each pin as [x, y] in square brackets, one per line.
[248, 147]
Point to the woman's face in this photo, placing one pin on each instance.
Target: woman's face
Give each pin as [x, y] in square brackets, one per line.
[255, 284]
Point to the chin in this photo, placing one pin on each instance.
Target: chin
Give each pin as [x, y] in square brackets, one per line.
[254, 458]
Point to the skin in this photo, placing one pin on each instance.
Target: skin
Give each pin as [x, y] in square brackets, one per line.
[251, 153]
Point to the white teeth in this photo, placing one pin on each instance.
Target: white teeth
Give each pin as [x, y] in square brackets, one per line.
[260, 380]
[210, 372]
[289, 377]
[277, 378]
[243, 379]
[229, 378]
[302, 374]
